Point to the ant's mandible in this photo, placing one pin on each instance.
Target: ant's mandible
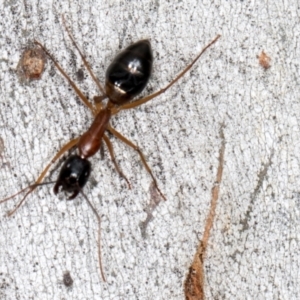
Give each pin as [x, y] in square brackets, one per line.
[126, 77]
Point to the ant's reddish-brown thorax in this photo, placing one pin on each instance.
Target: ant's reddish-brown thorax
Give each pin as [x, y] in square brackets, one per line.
[90, 141]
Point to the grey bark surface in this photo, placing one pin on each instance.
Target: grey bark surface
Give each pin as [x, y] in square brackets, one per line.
[254, 246]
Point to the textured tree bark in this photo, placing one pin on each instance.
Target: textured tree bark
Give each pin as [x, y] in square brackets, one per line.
[148, 245]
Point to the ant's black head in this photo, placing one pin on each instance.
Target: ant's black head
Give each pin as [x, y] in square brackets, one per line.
[73, 175]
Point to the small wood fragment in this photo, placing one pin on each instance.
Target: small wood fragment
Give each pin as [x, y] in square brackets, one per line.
[264, 60]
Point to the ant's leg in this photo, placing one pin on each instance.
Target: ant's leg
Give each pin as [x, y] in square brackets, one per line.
[99, 235]
[32, 187]
[99, 106]
[137, 149]
[76, 89]
[150, 97]
[99, 99]
[112, 155]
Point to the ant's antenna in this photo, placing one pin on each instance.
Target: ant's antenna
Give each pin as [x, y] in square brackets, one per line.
[31, 189]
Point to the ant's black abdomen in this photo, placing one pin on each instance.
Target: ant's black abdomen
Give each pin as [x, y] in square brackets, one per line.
[129, 72]
[73, 175]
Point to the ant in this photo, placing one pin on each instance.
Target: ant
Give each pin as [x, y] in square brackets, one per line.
[126, 77]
